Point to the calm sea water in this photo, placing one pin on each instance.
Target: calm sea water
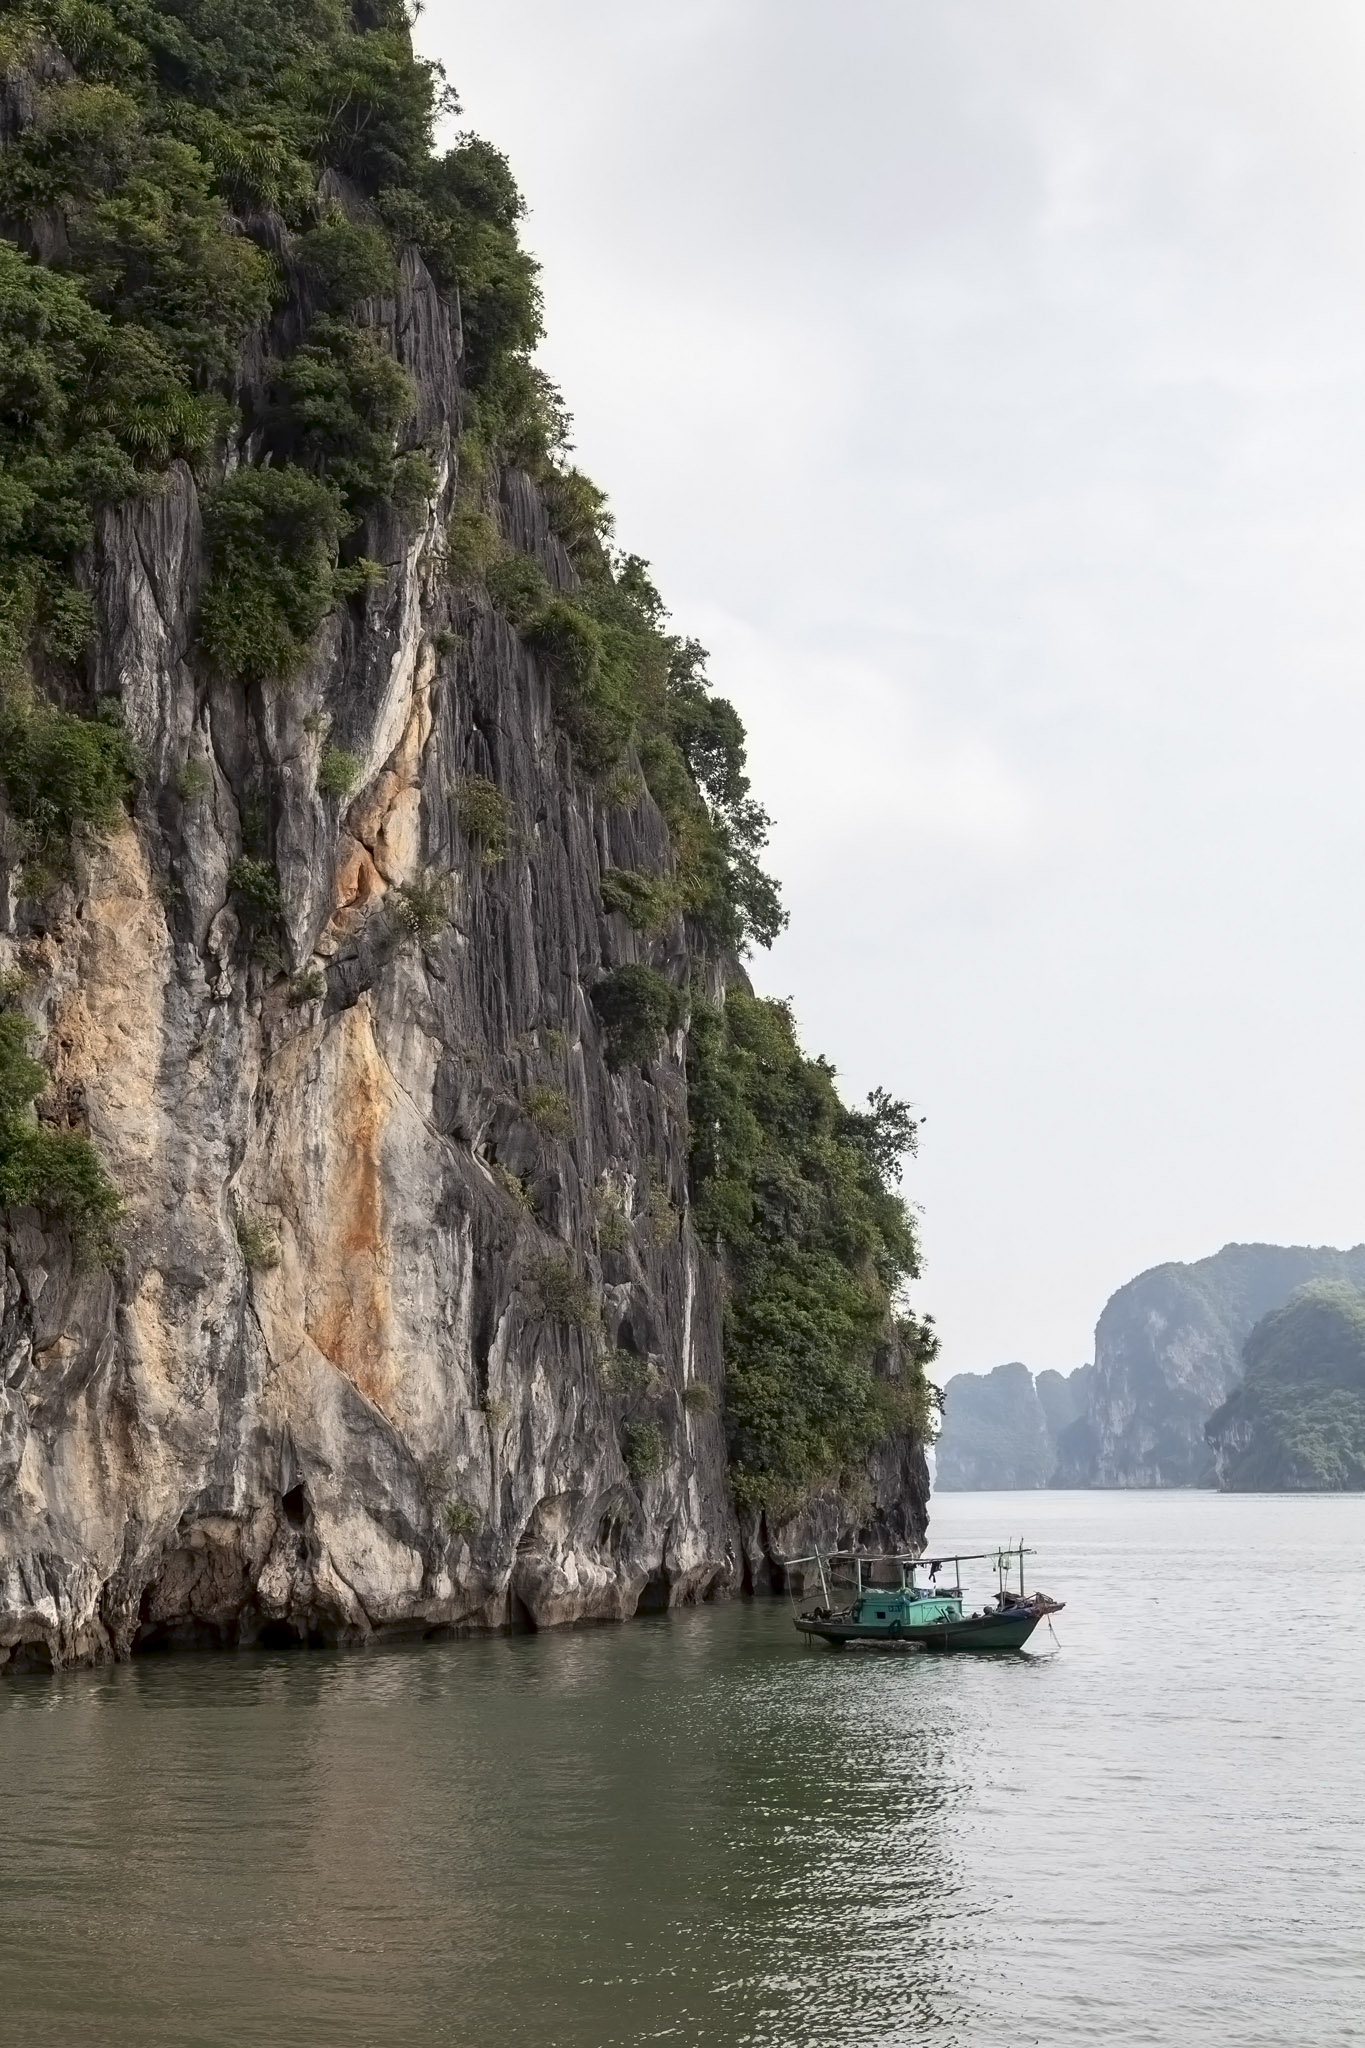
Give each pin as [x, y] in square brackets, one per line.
[693, 1830]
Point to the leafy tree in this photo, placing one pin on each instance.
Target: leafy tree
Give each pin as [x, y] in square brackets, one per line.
[334, 408]
[647, 901]
[61, 774]
[346, 260]
[257, 886]
[887, 1131]
[637, 1006]
[797, 1190]
[85, 409]
[338, 772]
[56, 1171]
[271, 538]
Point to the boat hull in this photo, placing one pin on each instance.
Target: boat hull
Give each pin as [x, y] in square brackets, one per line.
[980, 1633]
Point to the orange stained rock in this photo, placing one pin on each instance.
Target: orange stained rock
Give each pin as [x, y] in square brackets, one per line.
[350, 1306]
[357, 878]
[366, 822]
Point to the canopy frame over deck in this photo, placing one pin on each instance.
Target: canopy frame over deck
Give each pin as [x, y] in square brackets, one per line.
[907, 1564]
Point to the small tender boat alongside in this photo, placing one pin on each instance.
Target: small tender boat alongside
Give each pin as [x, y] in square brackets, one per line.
[901, 1602]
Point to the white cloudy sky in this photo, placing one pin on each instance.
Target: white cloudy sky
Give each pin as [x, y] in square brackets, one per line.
[985, 380]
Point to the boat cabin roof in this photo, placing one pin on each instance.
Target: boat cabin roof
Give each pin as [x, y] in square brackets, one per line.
[908, 1596]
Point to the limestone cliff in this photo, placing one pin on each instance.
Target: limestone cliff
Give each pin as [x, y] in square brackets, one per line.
[1168, 1351]
[1001, 1428]
[408, 1323]
[1296, 1421]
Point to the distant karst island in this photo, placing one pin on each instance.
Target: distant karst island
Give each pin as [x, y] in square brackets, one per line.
[1166, 1403]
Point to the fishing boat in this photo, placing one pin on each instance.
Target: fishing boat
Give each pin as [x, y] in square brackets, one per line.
[901, 1602]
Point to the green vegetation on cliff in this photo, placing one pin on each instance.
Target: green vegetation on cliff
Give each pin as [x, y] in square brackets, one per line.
[204, 205]
[55, 1170]
[182, 148]
[798, 1189]
[61, 774]
[1297, 1421]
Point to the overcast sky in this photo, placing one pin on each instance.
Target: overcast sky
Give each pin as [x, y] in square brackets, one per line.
[985, 380]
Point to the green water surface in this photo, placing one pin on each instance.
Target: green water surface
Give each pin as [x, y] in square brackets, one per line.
[696, 1830]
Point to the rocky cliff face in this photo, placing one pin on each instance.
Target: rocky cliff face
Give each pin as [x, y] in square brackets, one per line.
[1296, 1421]
[343, 1377]
[1001, 1428]
[1168, 1351]
[1062, 1397]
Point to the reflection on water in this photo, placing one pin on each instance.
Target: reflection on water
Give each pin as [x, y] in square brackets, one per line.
[696, 1830]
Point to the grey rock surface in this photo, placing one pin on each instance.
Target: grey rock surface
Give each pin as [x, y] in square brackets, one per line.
[1168, 1352]
[374, 1425]
[1062, 1397]
[1000, 1428]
